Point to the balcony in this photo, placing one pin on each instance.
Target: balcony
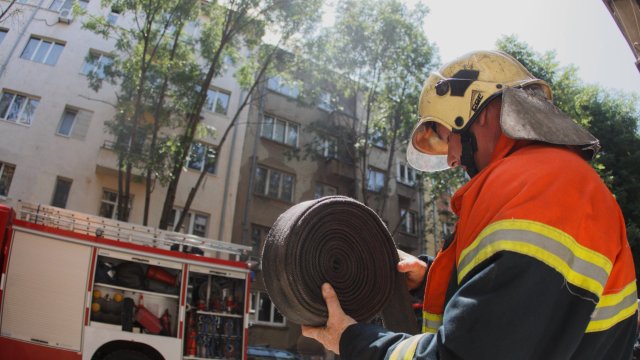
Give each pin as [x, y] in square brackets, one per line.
[340, 169]
[406, 242]
[407, 191]
[107, 160]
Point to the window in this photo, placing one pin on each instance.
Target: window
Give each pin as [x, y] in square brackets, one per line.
[113, 16]
[66, 122]
[202, 156]
[61, 192]
[406, 174]
[95, 63]
[263, 311]
[328, 147]
[324, 101]
[18, 108]
[375, 180]
[217, 101]
[6, 175]
[109, 204]
[59, 5]
[42, 51]
[323, 190]
[377, 139]
[279, 130]
[3, 33]
[409, 221]
[194, 223]
[284, 87]
[74, 123]
[258, 234]
[274, 184]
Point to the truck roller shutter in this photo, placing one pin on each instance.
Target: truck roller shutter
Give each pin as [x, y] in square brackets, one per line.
[45, 290]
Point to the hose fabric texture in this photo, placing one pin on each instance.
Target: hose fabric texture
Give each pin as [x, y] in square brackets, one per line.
[334, 239]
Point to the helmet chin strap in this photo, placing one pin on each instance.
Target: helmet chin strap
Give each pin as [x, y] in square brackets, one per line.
[469, 148]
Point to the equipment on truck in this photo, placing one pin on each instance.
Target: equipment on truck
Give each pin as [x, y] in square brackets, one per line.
[115, 290]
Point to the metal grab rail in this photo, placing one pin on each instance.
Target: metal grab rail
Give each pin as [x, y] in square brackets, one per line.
[119, 230]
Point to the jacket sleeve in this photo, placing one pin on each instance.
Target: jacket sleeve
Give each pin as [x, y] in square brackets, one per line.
[512, 306]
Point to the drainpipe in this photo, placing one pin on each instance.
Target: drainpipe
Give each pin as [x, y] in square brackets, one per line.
[435, 220]
[15, 45]
[226, 178]
[254, 164]
[422, 248]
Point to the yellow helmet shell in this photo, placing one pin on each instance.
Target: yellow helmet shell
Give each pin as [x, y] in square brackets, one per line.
[456, 94]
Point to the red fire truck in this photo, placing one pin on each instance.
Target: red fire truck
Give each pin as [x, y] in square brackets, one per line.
[77, 286]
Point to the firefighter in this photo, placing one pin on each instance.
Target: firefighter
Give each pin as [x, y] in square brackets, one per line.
[539, 266]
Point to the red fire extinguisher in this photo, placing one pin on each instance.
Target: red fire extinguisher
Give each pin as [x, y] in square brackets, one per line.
[191, 347]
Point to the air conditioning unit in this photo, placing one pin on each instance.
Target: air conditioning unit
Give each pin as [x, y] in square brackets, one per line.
[65, 16]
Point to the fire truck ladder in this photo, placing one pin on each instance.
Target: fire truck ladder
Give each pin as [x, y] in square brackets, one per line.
[122, 231]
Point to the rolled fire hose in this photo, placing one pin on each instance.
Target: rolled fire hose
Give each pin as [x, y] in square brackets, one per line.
[338, 240]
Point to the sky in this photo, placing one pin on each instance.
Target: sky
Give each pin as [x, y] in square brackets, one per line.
[582, 32]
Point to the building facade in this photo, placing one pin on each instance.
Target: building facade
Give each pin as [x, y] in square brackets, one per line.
[295, 151]
[54, 146]
[55, 149]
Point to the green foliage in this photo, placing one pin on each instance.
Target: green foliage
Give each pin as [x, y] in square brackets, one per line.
[612, 117]
[377, 51]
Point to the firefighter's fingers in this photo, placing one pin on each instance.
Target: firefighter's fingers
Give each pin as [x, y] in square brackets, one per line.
[414, 268]
[329, 335]
[333, 303]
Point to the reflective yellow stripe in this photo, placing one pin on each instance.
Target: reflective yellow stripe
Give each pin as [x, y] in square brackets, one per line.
[581, 266]
[430, 322]
[406, 348]
[614, 308]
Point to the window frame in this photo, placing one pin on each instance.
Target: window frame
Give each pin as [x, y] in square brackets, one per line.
[328, 147]
[114, 211]
[67, 4]
[217, 91]
[324, 101]
[114, 15]
[54, 198]
[35, 52]
[378, 139]
[267, 184]
[67, 110]
[18, 119]
[283, 87]
[207, 147]
[403, 176]
[288, 125]
[377, 172]
[3, 172]
[98, 65]
[254, 311]
[409, 223]
[188, 224]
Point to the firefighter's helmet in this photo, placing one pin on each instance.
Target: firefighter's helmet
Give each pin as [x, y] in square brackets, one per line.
[460, 90]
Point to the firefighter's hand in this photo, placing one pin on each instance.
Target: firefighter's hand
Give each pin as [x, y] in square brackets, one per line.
[329, 335]
[415, 269]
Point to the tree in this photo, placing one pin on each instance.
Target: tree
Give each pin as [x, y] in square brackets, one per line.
[377, 51]
[612, 117]
[142, 65]
[164, 77]
[239, 25]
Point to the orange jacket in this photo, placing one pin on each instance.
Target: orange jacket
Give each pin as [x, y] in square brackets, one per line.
[539, 268]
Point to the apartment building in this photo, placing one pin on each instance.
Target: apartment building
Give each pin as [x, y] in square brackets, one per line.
[288, 159]
[54, 147]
